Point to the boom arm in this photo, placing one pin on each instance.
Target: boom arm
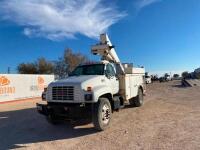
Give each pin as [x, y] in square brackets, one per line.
[107, 51]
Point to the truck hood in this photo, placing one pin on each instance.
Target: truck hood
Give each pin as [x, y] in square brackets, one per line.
[83, 81]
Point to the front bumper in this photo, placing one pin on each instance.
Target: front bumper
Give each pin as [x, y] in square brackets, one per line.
[65, 111]
[42, 109]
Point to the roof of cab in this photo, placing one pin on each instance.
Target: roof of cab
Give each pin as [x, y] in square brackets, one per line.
[93, 63]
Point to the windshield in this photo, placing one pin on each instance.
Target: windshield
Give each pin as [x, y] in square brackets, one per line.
[95, 69]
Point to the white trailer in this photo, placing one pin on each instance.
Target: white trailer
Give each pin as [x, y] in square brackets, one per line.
[95, 90]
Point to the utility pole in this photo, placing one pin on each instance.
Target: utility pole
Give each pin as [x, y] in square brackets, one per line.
[8, 71]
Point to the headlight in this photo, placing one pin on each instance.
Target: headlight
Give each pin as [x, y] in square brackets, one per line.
[43, 96]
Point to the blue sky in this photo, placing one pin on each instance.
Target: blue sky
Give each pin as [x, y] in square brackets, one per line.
[162, 35]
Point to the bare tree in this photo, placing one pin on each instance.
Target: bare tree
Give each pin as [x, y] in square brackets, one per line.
[72, 60]
[60, 68]
[44, 66]
[68, 62]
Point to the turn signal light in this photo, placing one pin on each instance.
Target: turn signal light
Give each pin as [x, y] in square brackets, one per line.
[89, 89]
[45, 89]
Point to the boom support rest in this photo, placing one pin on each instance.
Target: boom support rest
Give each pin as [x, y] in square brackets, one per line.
[107, 52]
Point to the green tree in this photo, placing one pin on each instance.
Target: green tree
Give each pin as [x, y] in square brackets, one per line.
[41, 66]
[27, 68]
[185, 74]
[176, 75]
[62, 67]
[197, 75]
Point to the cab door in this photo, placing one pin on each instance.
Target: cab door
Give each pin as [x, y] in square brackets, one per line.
[112, 80]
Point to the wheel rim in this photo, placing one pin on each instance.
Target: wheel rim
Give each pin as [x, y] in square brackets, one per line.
[105, 114]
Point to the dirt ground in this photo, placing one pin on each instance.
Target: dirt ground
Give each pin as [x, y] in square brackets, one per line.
[169, 119]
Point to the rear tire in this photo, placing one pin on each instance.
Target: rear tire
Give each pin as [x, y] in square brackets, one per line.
[139, 99]
[101, 114]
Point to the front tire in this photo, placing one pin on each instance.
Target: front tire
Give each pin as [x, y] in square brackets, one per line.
[102, 112]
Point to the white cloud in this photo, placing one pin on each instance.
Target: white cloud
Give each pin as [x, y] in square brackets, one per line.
[58, 19]
[143, 3]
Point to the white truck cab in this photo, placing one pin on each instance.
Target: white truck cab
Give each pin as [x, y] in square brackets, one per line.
[95, 89]
[85, 84]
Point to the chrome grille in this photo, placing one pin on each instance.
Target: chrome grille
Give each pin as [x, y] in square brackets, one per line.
[65, 93]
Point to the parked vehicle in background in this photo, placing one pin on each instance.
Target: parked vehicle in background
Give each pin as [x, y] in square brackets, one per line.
[95, 90]
[168, 78]
[154, 78]
[162, 79]
[148, 79]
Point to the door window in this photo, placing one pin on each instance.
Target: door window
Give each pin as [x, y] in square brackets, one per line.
[110, 70]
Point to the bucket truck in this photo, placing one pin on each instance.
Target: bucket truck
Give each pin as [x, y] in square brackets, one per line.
[95, 90]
